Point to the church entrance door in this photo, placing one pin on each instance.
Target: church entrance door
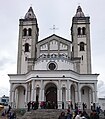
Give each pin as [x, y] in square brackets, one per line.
[51, 96]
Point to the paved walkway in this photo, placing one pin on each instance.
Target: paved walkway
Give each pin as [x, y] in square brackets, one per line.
[102, 116]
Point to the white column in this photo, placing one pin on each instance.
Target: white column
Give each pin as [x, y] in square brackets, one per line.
[76, 96]
[94, 93]
[16, 98]
[90, 98]
[79, 93]
[29, 92]
[42, 94]
[13, 99]
[79, 97]
[96, 99]
[34, 94]
[42, 91]
[26, 101]
[32, 90]
[69, 90]
[10, 97]
[93, 96]
[41, 87]
[66, 94]
[59, 95]
[60, 91]
[13, 96]
[69, 94]
[67, 101]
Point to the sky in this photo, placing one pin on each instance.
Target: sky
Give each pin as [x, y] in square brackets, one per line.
[49, 13]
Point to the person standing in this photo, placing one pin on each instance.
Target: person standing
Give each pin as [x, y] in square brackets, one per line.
[91, 106]
[69, 114]
[78, 116]
[29, 104]
[62, 116]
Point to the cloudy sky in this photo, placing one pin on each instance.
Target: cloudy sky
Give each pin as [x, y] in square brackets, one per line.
[49, 13]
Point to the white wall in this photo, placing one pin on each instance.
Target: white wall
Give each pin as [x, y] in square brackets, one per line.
[102, 103]
[61, 64]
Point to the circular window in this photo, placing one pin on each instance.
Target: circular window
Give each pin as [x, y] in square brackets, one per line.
[52, 66]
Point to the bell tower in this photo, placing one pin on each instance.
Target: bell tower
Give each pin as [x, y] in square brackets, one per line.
[81, 48]
[28, 37]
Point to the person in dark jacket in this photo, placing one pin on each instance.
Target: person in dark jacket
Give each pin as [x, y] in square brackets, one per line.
[62, 116]
[86, 115]
[69, 115]
[94, 115]
[29, 105]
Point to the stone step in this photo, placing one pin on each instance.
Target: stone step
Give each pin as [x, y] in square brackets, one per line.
[43, 114]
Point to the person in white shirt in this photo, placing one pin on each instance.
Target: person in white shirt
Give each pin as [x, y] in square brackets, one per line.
[78, 116]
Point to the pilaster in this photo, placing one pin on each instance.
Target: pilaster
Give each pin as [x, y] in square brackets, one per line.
[32, 90]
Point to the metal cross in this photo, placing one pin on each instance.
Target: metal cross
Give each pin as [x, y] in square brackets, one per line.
[79, 3]
[54, 28]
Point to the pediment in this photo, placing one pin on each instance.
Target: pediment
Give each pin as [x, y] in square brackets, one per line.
[53, 40]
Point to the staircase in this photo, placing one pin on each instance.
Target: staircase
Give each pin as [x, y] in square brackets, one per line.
[43, 114]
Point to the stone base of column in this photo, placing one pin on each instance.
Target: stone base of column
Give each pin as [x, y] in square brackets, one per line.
[67, 106]
[79, 105]
[25, 104]
[13, 105]
[59, 104]
[39, 105]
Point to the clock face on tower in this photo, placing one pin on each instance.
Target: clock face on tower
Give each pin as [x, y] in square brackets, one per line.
[52, 66]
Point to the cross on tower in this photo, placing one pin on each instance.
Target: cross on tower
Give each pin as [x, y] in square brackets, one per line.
[53, 29]
[78, 4]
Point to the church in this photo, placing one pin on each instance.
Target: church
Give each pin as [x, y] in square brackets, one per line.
[54, 69]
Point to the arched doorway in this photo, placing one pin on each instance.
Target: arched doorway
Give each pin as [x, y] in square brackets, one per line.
[86, 96]
[73, 96]
[63, 98]
[20, 97]
[51, 95]
[37, 94]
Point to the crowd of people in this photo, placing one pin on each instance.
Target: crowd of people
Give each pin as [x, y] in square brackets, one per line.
[48, 105]
[32, 105]
[72, 113]
[75, 113]
[78, 115]
[43, 105]
[8, 113]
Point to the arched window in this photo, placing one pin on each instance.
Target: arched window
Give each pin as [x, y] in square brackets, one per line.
[82, 46]
[29, 32]
[24, 32]
[79, 31]
[83, 92]
[82, 57]
[83, 31]
[26, 47]
[72, 48]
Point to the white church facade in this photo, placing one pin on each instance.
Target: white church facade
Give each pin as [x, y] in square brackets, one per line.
[53, 69]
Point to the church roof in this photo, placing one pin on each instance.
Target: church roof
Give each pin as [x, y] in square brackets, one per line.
[79, 12]
[30, 14]
[52, 36]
